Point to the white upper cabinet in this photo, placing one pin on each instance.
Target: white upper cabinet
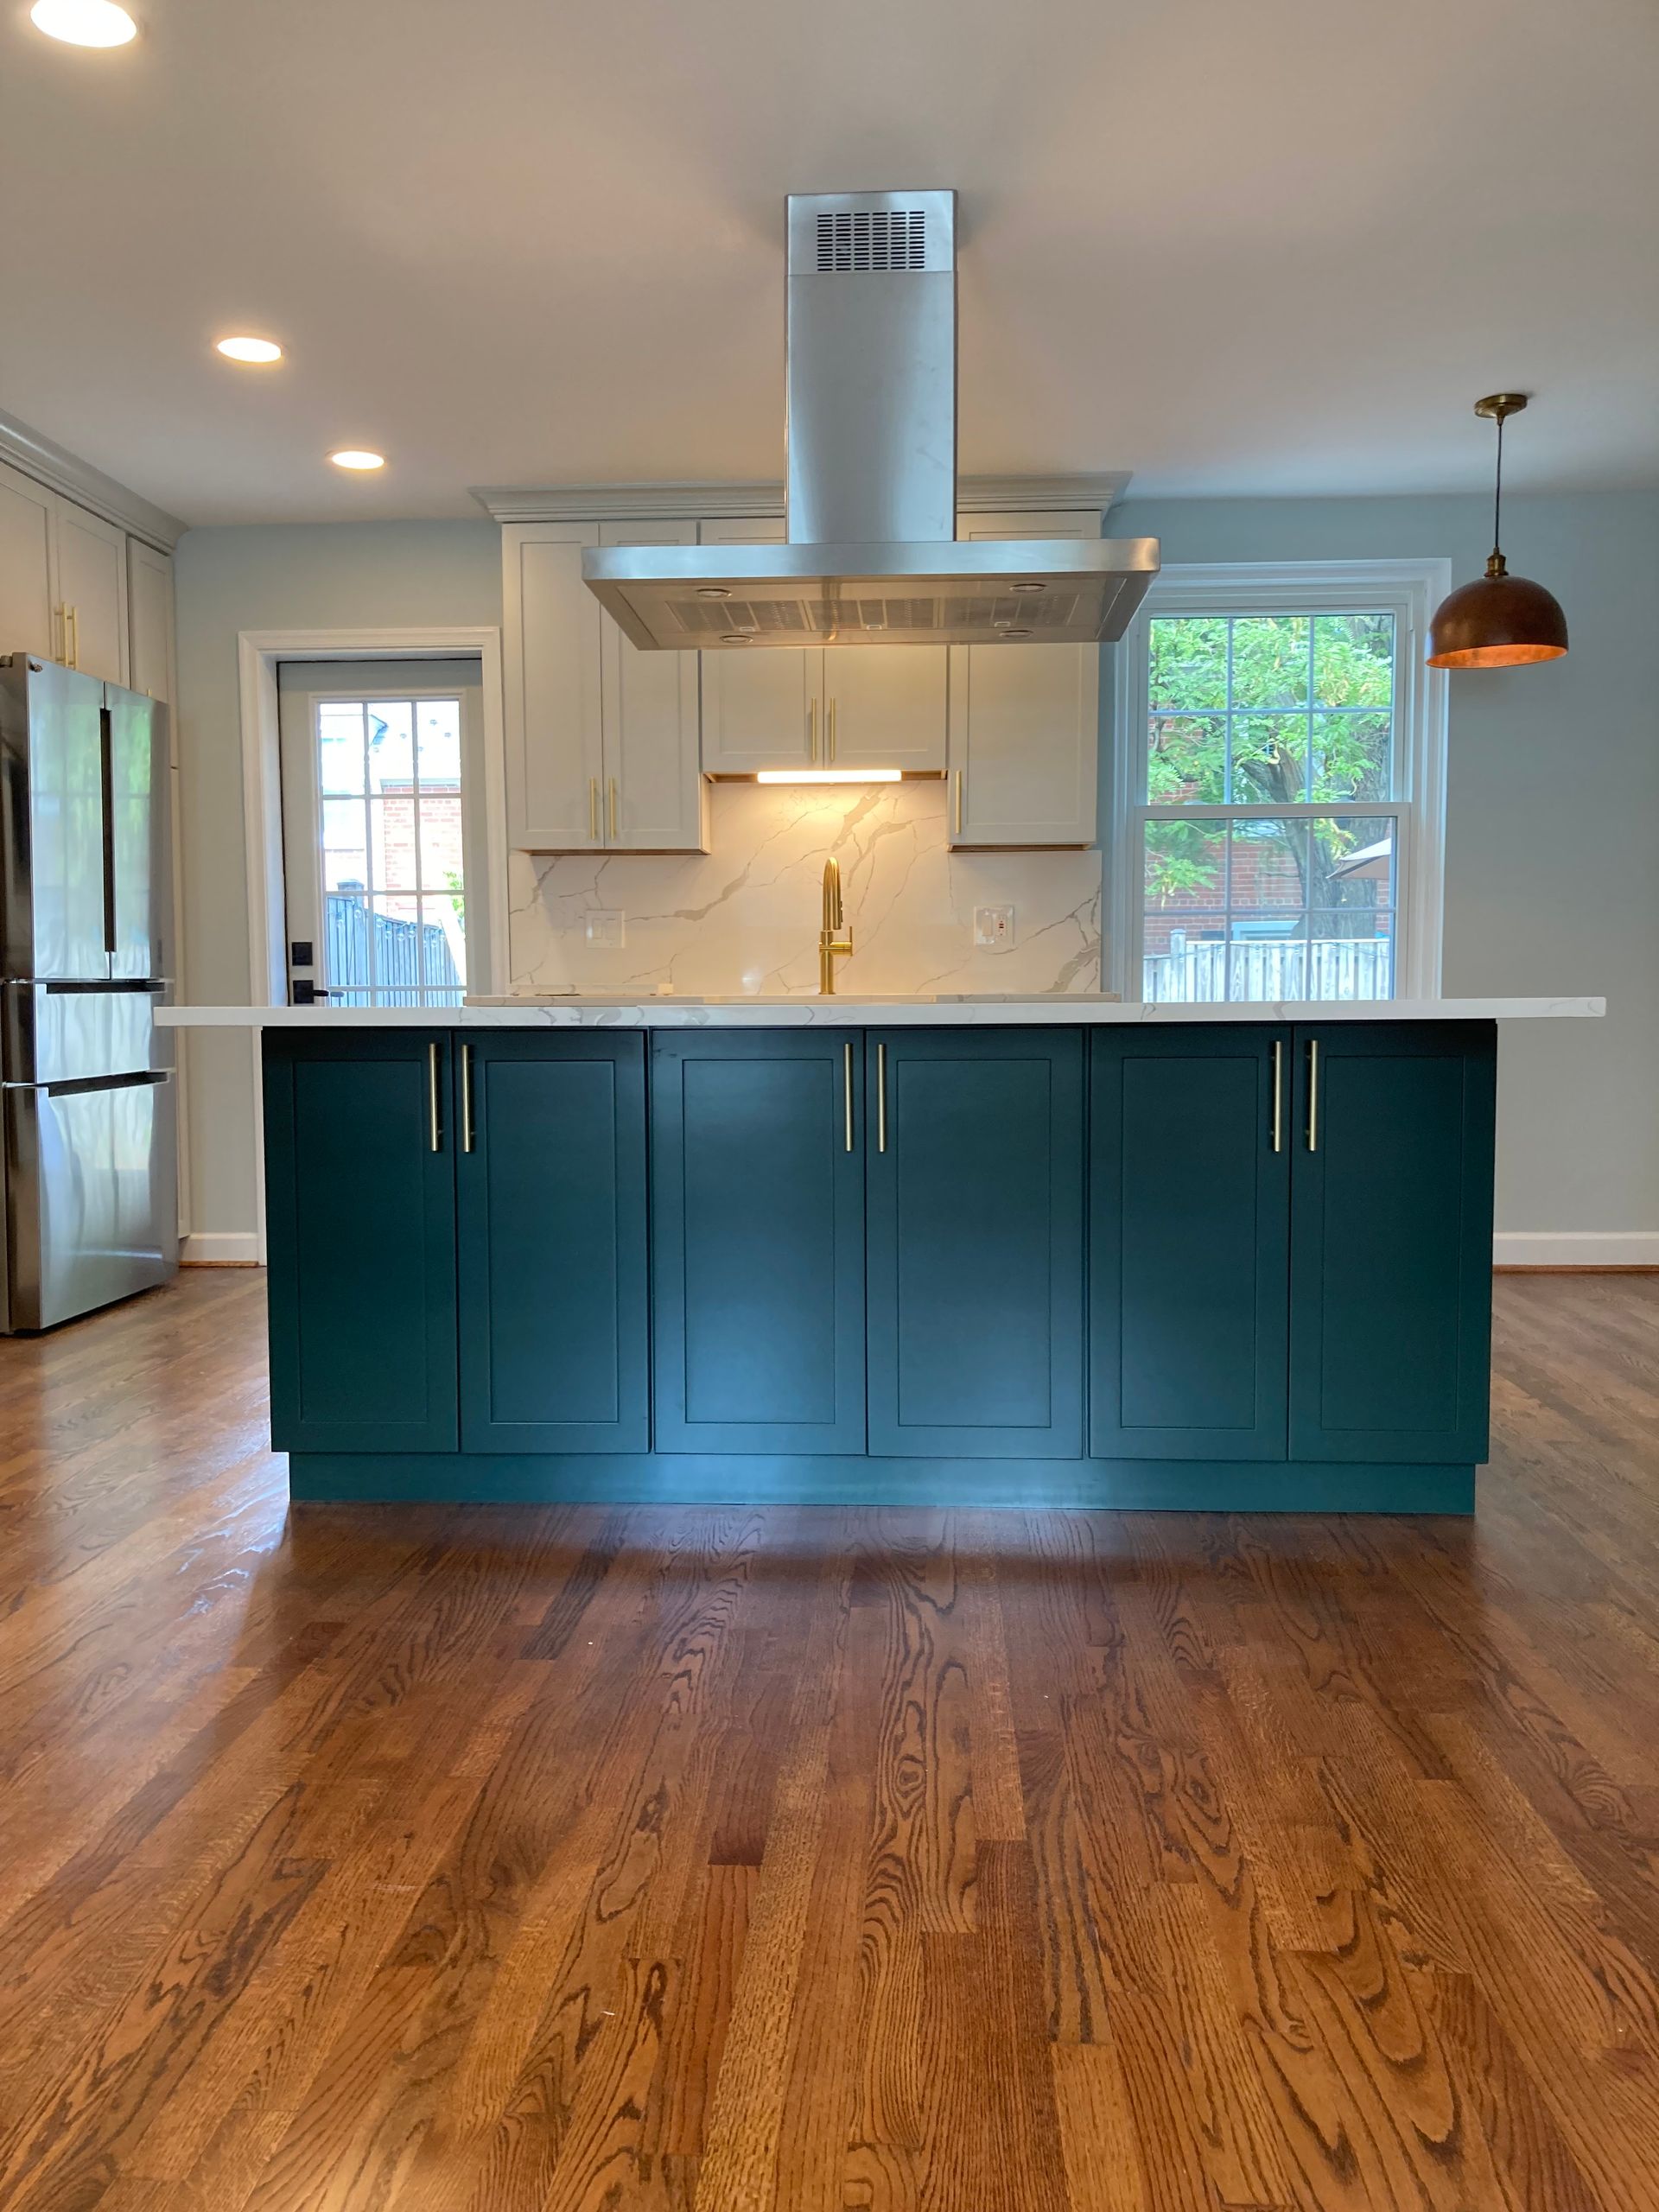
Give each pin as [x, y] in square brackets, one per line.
[1025, 722]
[885, 706]
[656, 800]
[845, 707]
[601, 739]
[28, 606]
[760, 708]
[149, 621]
[63, 580]
[551, 682]
[93, 592]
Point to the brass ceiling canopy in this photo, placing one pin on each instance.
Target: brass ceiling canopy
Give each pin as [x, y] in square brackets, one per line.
[1499, 620]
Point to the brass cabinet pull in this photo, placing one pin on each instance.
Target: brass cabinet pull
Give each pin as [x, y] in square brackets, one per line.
[832, 729]
[1312, 1094]
[612, 809]
[433, 1112]
[881, 1097]
[812, 731]
[467, 1132]
[846, 1090]
[1278, 1097]
[957, 780]
[593, 809]
[74, 656]
[61, 615]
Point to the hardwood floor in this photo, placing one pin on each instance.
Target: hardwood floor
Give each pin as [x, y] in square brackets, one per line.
[478, 1859]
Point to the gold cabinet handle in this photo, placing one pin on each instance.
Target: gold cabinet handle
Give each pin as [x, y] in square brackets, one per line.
[593, 810]
[433, 1112]
[612, 797]
[832, 730]
[846, 1090]
[812, 732]
[1312, 1094]
[74, 617]
[957, 783]
[1278, 1097]
[61, 615]
[467, 1130]
[881, 1097]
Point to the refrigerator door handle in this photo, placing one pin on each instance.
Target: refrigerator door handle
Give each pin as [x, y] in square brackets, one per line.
[106, 747]
[76, 1086]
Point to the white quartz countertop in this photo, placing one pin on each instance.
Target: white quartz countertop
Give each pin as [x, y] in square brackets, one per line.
[849, 1011]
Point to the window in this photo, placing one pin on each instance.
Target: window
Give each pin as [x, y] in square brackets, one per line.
[1281, 755]
[393, 873]
[375, 830]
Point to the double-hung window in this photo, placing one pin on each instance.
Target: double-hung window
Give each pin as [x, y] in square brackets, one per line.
[1280, 772]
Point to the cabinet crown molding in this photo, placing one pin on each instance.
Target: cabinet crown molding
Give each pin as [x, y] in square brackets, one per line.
[712, 502]
[65, 472]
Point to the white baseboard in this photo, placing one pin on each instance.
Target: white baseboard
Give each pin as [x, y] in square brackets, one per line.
[1573, 1248]
[219, 1248]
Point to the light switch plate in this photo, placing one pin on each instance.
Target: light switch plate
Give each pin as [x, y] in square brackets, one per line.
[607, 926]
[993, 928]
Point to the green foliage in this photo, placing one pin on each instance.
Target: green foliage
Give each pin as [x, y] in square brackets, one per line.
[1270, 710]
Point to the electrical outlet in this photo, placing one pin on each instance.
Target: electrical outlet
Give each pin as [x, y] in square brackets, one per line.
[607, 926]
[993, 928]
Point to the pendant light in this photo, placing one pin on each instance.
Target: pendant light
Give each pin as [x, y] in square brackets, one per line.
[1500, 620]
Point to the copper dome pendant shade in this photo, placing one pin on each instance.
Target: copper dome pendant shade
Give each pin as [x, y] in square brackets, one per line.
[1499, 620]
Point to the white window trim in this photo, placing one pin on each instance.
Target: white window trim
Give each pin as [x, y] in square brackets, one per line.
[1410, 590]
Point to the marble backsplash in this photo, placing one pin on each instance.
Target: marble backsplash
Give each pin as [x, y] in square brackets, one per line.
[745, 917]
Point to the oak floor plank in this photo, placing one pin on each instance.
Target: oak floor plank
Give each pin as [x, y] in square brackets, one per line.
[731, 1860]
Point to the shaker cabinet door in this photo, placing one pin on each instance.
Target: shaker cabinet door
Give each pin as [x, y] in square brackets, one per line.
[655, 799]
[550, 1178]
[758, 1241]
[29, 613]
[92, 589]
[1391, 1241]
[1189, 1228]
[975, 1178]
[361, 1229]
[552, 688]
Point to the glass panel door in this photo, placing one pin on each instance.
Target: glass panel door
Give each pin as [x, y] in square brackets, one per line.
[375, 834]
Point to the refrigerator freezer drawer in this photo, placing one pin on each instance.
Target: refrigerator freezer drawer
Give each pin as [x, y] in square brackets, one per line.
[92, 1209]
[69, 1032]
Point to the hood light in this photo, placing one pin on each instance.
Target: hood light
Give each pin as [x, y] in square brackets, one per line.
[829, 776]
[84, 23]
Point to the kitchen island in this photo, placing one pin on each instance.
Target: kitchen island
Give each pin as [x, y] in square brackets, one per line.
[832, 1250]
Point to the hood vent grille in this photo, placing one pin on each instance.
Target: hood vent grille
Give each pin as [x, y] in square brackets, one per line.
[913, 615]
[854, 239]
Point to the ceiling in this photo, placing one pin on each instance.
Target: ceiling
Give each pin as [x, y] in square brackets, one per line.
[1277, 247]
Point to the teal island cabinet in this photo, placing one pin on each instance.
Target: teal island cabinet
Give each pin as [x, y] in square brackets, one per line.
[1243, 1265]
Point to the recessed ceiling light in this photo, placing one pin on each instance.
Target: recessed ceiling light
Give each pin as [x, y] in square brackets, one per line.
[357, 457]
[84, 23]
[248, 349]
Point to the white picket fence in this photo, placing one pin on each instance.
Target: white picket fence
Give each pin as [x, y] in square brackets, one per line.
[1202, 973]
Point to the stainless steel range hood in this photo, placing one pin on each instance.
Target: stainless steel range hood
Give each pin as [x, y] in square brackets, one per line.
[873, 557]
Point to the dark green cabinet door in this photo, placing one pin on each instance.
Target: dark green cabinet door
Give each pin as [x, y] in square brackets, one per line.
[1391, 1241]
[975, 1242]
[758, 1242]
[360, 1231]
[1190, 1224]
[550, 1183]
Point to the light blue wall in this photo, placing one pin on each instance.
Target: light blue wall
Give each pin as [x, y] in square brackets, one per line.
[1552, 860]
[278, 577]
[1552, 871]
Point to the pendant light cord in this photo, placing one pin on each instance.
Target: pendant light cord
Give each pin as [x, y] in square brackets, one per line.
[1496, 566]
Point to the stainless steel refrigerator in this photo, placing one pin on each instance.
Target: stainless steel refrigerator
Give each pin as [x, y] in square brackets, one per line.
[86, 928]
